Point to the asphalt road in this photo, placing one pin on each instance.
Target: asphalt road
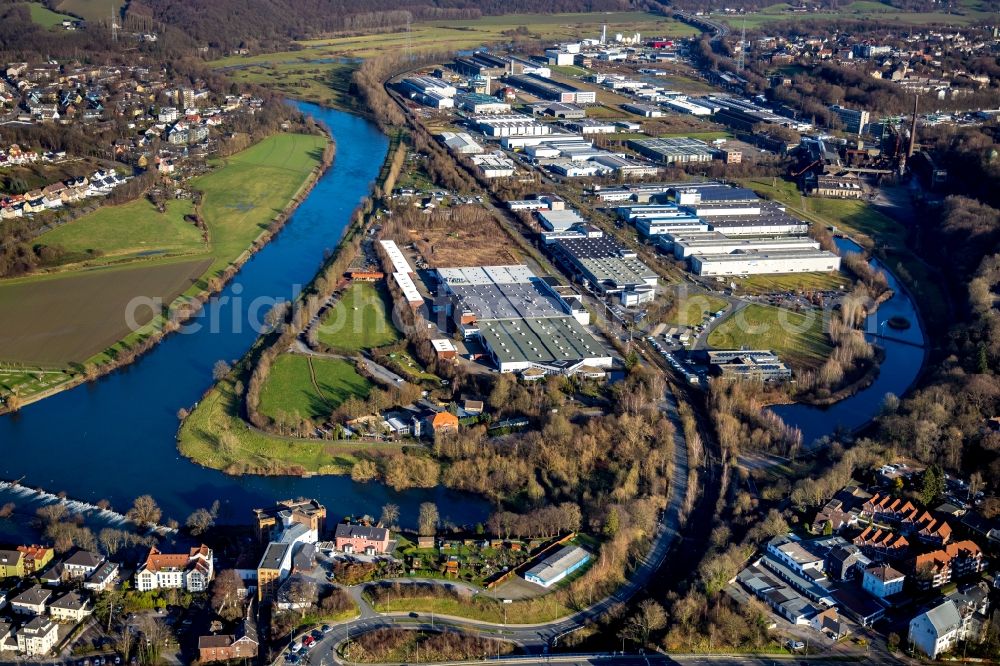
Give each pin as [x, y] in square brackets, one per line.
[538, 638]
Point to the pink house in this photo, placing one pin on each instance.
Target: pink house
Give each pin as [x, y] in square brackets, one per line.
[361, 539]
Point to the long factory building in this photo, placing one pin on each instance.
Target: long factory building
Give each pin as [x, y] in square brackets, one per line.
[521, 321]
[548, 89]
[723, 230]
[758, 262]
[605, 265]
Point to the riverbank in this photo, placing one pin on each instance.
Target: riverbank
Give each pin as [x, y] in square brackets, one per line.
[215, 432]
[226, 249]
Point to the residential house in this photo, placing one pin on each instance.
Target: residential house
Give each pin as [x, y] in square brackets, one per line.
[878, 543]
[881, 580]
[241, 645]
[11, 564]
[70, 607]
[52, 576]
[35, 558]
[81, 564]
[191, 571]
[103, 579]
[443, 423]
[37, 637]
[886, 508]
[32, 601]
[931, 569]
[939, 629]
[351, 538]
[833, 517]
[842, 561]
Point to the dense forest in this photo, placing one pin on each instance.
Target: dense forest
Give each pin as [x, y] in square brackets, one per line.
[227, 24]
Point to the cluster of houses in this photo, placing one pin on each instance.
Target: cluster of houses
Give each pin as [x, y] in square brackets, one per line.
[154, 107]
[100, 183]
[50, 596]
[421, 419]
[878, 552]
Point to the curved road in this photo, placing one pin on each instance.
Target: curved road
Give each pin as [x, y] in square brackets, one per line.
[533, 638]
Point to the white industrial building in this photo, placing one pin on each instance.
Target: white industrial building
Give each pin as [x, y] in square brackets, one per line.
[430, 91]
[494, 165]
[478, 103]
[681, 105]
[513, 124]
[460, 143]
[559, 220]
[763, 262]
[396, 258]
[725, 245]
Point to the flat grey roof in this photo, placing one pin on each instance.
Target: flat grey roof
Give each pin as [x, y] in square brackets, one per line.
[274, 556]
[540, 341]
[766, 255]
[558, 562]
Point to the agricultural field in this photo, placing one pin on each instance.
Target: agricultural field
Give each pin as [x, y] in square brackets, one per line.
[213, 435]
[470, 34]
[360, 320]
[309, 386]
[971, 11]
[45, 17]
[326, 83]
[71, 317]
[132, 230]
[319, 70]
[799, 338]
[240, 199]
[90, 10]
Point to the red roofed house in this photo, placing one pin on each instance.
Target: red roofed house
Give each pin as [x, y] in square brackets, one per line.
[190, 571]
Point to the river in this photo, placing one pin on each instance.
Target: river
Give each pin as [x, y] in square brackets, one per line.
[904, 356]
[114, 439]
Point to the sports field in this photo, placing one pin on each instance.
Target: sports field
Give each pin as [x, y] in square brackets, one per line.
[359, 320]
[74, 315]
[69, 318]
[308, 387]
[798, 338]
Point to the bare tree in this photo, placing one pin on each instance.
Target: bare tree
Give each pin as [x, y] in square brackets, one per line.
[227, 593]
[200, 521]
[649, 617]
[302, 593]
[390, 515]
[427, 521]
[144, 511]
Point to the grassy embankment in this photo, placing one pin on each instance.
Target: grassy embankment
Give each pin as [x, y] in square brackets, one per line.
[201, 439]
[870, 227]
[798, 338]
[319, 71]
[485, 609]
[969, 11]
[58, 321]
[314, 389]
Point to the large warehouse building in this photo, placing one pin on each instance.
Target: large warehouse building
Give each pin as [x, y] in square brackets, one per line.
[725, 245]
[603, 264]
[521, 321]
[770, 261]
[680, 150]
[548, 89]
